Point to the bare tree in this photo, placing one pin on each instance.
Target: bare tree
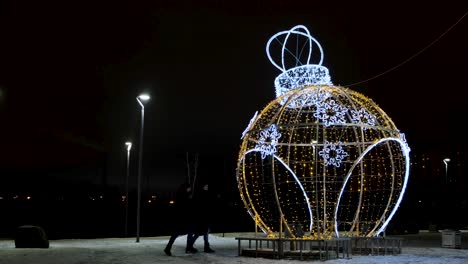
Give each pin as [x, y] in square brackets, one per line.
[193, 164]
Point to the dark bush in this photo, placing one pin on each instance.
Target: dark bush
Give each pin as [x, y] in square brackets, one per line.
[29, 236]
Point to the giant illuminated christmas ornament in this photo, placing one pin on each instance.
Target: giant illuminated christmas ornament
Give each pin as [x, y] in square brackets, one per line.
[319, 161]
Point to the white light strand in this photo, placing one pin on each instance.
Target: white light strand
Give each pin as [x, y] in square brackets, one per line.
[406, 151]
[296, 179]
[250, 125]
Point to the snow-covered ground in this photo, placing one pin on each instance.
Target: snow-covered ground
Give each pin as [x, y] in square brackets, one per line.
[150, 250]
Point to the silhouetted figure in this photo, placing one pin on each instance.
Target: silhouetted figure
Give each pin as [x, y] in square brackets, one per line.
[203, 217]
[181, 223]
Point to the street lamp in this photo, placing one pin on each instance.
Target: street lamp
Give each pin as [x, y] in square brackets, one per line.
[446, 161]
[129, 147]
[140, 99]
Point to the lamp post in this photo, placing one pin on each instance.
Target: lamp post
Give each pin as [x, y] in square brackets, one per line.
[446, 161]
[129, 147]
[140, 99]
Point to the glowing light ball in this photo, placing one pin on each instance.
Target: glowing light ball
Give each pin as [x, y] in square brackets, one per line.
[320, 161]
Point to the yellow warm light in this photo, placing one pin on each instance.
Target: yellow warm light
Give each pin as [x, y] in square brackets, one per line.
[370, 182]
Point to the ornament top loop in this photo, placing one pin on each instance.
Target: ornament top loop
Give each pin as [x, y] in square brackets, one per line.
[302, 73]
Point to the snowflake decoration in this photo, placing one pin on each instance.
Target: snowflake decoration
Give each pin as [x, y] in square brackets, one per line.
[307, 98]
[403, 137]
[319, 95]
[250, 125]
[363, 117]
[331, 113]
[269, 134]
[333, 154]
[299, 100]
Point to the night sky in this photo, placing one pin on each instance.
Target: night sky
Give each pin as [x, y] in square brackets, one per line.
[70, 73]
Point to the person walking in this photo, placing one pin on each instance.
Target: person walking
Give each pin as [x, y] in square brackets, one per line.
[203, 209]
[181, 223]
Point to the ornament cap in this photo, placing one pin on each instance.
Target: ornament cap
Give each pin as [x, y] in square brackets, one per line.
[303, 73]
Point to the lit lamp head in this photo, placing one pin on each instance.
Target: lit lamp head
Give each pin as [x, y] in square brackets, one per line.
[129, 145]
[142, 98]
[446, 160]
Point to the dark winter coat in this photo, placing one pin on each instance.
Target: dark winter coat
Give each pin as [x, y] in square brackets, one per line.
[182, 211]
[203, 214]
